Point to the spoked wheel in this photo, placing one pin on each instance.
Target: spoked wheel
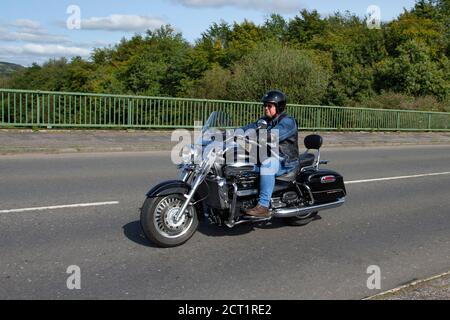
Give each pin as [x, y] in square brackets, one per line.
[301, 220]
[159, 224]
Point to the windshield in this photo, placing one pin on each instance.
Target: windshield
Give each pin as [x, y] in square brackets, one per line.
[218, 120]
[216, 123]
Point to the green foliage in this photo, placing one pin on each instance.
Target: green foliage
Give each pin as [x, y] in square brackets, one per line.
[213, 85]
[275, 27]
[333, 60]
[414, 73]
[303, 28]
[392, 100]
[244, 39]
[214, 44]
[287, 69]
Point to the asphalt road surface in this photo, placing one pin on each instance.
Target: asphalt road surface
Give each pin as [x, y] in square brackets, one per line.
[400, 225]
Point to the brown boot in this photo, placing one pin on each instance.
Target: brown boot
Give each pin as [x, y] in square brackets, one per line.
[259, 211]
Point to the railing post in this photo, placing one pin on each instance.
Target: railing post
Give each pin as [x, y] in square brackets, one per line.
[38, 111]
[319, 120]
[129, 112]
[3, 108]
[429, 121]
[361, 119]
[398, 120]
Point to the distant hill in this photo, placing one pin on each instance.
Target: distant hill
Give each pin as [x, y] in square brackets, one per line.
[7, 68]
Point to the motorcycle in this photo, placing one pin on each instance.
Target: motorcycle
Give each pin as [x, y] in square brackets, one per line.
[221, 192]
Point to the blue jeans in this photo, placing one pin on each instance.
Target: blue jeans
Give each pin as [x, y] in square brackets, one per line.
[268, 170]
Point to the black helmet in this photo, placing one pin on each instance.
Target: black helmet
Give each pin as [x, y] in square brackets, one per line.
[276, 97]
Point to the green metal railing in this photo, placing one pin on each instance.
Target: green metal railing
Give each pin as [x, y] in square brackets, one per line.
[22, 108]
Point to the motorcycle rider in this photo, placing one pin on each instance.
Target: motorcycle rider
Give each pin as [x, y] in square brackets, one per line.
[274, 103]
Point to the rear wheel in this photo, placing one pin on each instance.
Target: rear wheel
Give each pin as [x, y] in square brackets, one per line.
[159, 224]
[301, 220]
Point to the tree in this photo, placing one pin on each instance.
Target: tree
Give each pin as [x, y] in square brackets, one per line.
[213, 85]
[243, 39]
[417, 27]
[414, 73]
[303, 28]
[158, 64]
[275, 27]
[214, 44]
[283, 68]
[79, 75]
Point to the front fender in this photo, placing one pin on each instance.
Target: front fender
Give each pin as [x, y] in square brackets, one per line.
[178, 187]
[169, 187]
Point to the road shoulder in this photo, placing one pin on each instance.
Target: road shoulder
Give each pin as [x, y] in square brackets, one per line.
[22, 141]
[434, 288]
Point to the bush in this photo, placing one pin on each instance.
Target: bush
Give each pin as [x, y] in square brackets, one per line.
[273, 66]
[392, 100]
[213, 85]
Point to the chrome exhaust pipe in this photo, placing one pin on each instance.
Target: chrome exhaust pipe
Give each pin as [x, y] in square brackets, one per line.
[293, 212]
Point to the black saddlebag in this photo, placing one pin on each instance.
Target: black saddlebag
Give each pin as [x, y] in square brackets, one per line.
[325, 185]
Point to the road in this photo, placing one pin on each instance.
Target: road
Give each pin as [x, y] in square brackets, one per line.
[400, 225]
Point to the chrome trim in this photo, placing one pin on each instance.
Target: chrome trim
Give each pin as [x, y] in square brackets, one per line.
[246, 193]
[231, 222]
[307, 168]
[313, 166]
[317, 164]
[201, 173]
[247, 220]
[310, 193]
[322, 179]
[293, 212]
[184, 175]
[197, 181]
[240, 164]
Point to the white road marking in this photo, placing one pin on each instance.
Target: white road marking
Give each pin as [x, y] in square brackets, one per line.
[398, 178]
[96, 204]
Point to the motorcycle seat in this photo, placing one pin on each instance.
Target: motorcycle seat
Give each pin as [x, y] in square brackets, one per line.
[288, 177]
[305, 159]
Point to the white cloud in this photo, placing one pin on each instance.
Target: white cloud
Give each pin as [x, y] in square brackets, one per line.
[119, 22]
[31, 37]
[29, 26]
[39, 53]
[26, 23]
[30, 31]
[54, 50]
[268, 6]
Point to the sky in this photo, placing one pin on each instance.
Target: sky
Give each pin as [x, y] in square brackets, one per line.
[35, 31]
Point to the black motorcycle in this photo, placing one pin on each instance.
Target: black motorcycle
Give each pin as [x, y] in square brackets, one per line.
[221, 192]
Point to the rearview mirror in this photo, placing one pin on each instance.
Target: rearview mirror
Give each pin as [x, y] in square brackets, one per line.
[261, 124]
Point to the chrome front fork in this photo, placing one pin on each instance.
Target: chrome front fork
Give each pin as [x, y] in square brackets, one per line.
[184, 175]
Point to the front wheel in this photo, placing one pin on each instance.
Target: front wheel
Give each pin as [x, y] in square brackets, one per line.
[159, 225]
